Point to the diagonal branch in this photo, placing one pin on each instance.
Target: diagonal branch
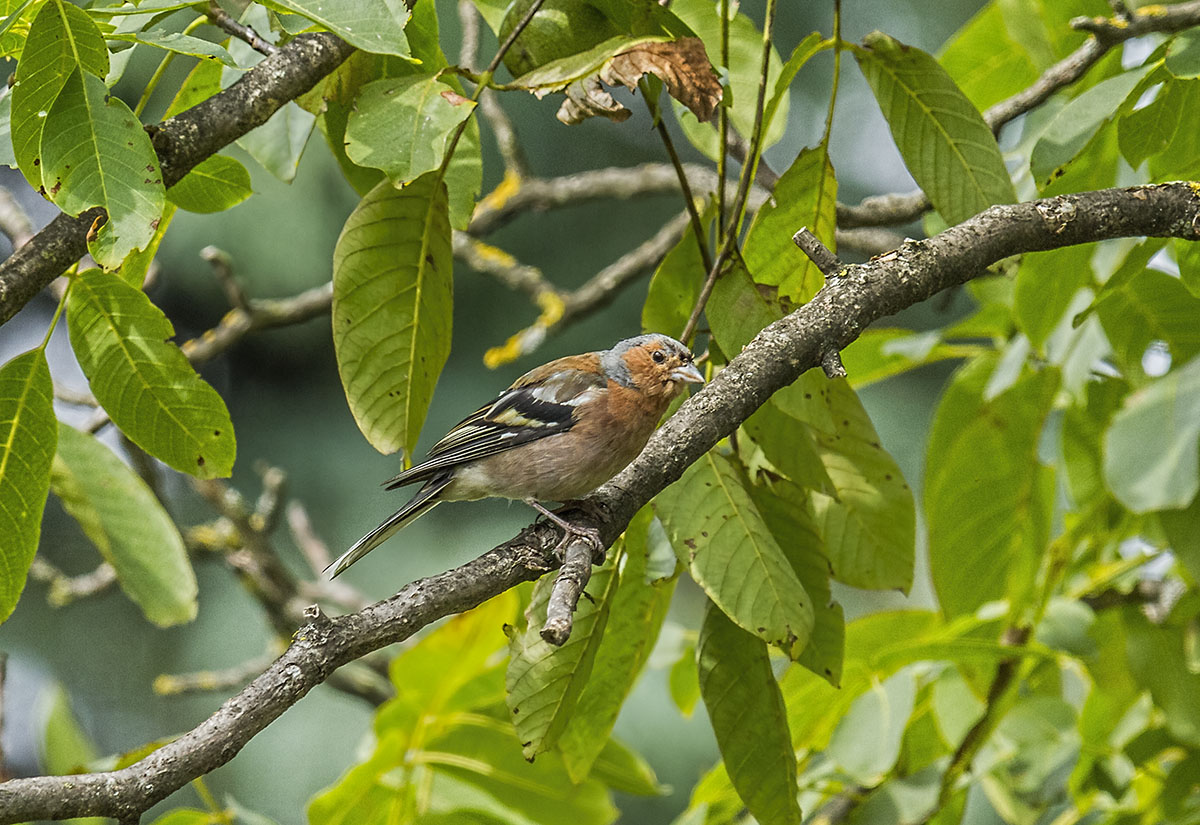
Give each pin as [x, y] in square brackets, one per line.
[181, 142]
[774, 359]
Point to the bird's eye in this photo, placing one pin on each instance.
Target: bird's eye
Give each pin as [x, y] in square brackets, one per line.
[659, 356]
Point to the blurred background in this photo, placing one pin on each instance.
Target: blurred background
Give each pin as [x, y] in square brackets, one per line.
[283, 391]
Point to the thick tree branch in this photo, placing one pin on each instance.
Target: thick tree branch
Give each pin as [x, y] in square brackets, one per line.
[181, 143]
[774, 359]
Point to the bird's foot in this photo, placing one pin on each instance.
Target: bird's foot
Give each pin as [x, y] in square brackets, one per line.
[570, 532]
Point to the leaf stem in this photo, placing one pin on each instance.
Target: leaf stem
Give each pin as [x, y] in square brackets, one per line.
[723, 128]
[688, 198]
[485, 80]
[62, 304]
[749, 167]
[163, 65]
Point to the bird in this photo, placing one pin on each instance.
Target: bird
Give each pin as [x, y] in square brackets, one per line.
[559, 432]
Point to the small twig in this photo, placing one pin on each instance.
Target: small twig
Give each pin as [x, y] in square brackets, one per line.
[207, 681]
[221, 19]
[222, 266]
[14, 222]
[868, 240]
[260, 314]
[831, 363]
[495, 262]
[817, 252]
[269, 507]
[65, 589]
[502, 129]
[688, 199]
[74, 397]
[564, 596]
[316, 553]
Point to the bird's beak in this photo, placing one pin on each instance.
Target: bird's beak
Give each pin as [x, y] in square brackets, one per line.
[687, 372]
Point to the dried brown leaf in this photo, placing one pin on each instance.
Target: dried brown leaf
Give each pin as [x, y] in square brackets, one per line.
[681, 64]
[587, 98]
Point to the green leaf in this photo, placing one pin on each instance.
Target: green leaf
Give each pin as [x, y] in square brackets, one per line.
[636, 611]
[1151, 449]
[370, 25]
[737, 310]
[464, 176]
[882, 352]
[806, 196]
[15, 28]
[1182, 529]
[1046, 283]
[215, 184]
[623, 770]
[1149, 130]
[544, 682]
[790, 444]
[784, 508]
[800, 55]
[748, 718]
[402, 125]
[392, 300]
[129, 527]
[143, 381]
[745, 70]
[1180, 160]
[987, 498]
[674, 288]
[719, 534]
[1158, 660]
[869, 525]
[137, 263]
[1149, 306]
[1183, 55]
[6, 145]
[684, 681]
[943, 139]
[866, 743]
[1078, 122]
[96, 153]
[985, 61]
[178, 43]
[62, 38]
[1084, 425]
[28, 433]
[201, 83]
[66, 747]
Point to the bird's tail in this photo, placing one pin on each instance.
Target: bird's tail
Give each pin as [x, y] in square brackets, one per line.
[424, 501]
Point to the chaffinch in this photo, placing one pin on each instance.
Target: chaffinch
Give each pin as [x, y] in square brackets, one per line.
[559, 432]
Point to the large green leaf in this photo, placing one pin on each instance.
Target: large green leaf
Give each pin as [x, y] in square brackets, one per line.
[881, 352]
[129, 527]
[789, 443]
[1046, 283]
[392, 300]
[96, 153]
[556, 75]
[1149, 306]
[784, 508]
[984, 60]
[806, 196]
[748, 718]
[719, 534]
[62, 38]
[28, 433]
[674, 288]
[402, 125]
[987, 498]
[868, 522]
[635, 615]
[866, 742]
[544, 682]
[1149, 130]
[215, 184]
[943, 139]
[143, 381]
[371, 25]
[185, 44]
[1151, 449]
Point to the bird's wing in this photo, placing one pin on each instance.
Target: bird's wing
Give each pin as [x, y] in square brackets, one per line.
[541, 403]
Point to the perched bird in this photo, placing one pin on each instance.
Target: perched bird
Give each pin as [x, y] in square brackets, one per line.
[559, 432]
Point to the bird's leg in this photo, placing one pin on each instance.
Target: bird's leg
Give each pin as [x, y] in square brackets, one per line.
[589, 534]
